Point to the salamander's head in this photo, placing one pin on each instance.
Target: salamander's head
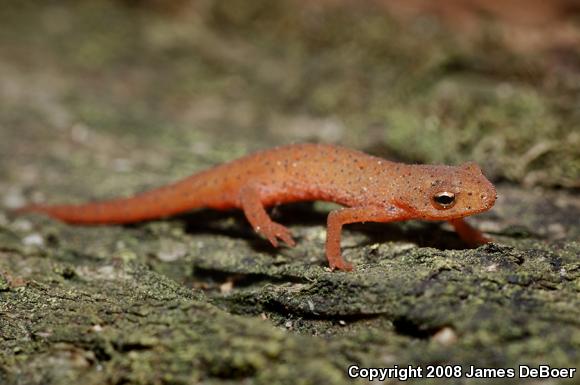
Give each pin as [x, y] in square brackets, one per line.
[449, 192]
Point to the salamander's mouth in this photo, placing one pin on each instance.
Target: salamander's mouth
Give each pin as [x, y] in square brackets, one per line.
[471, 212]
[451, 216]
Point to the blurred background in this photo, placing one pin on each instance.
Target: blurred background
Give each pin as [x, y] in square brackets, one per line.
[112, 92]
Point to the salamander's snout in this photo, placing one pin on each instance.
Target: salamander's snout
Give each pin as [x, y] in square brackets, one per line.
[489, 194]
[480, 192]
[488, 197]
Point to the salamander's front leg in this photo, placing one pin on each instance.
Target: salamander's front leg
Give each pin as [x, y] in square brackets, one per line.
[338, 218]
[470, 235]
[259, 219]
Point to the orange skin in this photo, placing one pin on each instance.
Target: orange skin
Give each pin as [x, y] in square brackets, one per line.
[371, 189]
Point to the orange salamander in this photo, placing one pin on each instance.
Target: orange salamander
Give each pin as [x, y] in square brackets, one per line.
[372, 189]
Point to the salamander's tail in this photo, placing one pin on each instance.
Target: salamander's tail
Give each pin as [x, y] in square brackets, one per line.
[149, 205]
[107, 212]
[90, 213]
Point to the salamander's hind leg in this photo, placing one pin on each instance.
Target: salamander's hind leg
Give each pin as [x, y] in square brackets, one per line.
[259, 219]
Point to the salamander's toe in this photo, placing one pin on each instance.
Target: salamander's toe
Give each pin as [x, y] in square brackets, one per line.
[273, 240]
[342, 265]
[276, 231]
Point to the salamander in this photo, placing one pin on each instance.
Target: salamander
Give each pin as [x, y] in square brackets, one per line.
[370, 188]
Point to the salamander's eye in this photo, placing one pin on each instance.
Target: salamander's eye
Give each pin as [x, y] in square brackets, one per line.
[443, 200]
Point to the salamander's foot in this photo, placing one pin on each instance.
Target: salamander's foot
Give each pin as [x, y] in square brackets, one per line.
[481, 240]
[340, 264]
[274, 231]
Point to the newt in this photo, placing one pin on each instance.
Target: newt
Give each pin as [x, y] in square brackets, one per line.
[370, 188]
